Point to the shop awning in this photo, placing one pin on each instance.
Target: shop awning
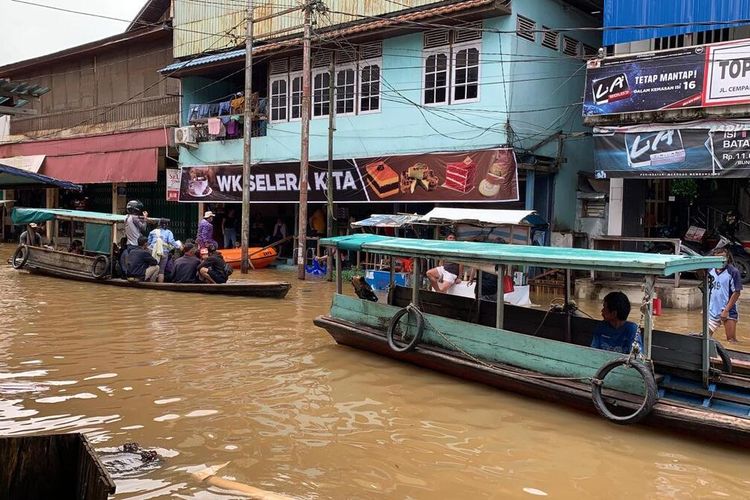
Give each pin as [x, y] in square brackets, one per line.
[31, 163]
[387, 220]
[139, 165]
[13, 178]
[477, 216]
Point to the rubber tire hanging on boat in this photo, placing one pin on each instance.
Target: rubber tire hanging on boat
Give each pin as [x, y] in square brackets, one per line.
[392, 329]
[22, 252]
[726, 359]
[648, 401]
[105, 267]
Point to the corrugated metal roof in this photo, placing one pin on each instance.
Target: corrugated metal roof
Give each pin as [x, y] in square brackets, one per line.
[356, 29]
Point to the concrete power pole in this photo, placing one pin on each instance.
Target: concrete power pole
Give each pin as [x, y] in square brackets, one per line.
[246, 136]
[331, 129]
[305, 140]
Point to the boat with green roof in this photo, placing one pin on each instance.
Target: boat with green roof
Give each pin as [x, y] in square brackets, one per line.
[680, 382]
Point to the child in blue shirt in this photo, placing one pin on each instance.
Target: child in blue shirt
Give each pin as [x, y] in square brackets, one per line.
[616, 333]
[725, 292]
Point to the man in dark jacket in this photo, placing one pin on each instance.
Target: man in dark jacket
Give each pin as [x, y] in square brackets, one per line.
[212, 267]
[186, 267]
[141, 265]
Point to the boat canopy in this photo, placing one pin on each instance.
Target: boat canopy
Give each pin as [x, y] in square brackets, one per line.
[14, 178]
[387, 220]
[525, 255]
[28, 215]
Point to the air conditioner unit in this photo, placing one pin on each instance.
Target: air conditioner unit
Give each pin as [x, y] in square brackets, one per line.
[186, 136]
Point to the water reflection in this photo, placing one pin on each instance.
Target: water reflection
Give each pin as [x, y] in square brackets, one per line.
[254, 383]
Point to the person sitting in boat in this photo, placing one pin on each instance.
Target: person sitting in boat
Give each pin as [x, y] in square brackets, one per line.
[76, 247]
[135, 227]
[142, 266]
[205, 236]
[161, 242]
[31, 236]
[616, 333]
[212, 268]
[446, 275]
[185, 269]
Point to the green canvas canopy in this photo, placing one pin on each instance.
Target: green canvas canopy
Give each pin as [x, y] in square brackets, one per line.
[28, 215]
[525, 255]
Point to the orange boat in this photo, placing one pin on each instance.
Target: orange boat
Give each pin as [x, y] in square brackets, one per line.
[259, 256]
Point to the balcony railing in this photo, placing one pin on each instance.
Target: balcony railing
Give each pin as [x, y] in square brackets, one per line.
[140, 112]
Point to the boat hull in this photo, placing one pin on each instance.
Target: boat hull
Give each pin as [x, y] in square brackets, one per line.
[699, 423]
[259, 256]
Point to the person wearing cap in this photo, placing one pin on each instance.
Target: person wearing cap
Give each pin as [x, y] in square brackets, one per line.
[31, 236]
[205, 236]
[212, 266]
[186, 267]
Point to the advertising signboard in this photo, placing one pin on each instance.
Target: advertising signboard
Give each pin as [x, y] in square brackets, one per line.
[708, 149]
[689, 77]
[479, 176]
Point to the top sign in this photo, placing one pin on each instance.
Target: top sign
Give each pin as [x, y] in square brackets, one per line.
[690, 77]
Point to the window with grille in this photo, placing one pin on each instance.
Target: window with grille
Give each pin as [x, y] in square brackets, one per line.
[550, 38]
[369, 87]
[712, 36]
[321, 93]
[436, 78]
[295, 96]
[278, 99]
[466, 74]
[526, 28]
[345, 90]
[671, 42]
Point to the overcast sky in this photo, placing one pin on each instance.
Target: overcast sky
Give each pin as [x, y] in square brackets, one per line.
[28, 31]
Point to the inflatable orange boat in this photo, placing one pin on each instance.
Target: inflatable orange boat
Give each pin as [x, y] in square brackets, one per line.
[259, 256]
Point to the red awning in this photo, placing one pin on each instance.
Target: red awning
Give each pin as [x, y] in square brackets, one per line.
[138, 165]
[110, 158]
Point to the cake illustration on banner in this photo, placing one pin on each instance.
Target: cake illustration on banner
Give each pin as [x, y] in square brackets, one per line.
[382, 179]
[461, 176]
[490, 185]
[420, 175]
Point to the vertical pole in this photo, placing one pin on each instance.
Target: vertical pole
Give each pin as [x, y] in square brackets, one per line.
[706, 361]
[339, 278]
[331, 129]
[305, 152]
[568, 312]
[499, 315]
[246, 137]
[648, 319]
[416, 282]
[530, 185]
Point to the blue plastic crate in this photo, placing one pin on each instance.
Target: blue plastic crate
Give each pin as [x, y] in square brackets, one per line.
[379, 280]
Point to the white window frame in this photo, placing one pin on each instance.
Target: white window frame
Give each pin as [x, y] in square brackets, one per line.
[276, 78]
[292, 76]
[317, 72]
[455, 50]
[375, 61]
[427, 53]
[346, 67]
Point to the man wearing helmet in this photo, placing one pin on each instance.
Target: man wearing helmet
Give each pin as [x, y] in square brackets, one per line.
[135, 227]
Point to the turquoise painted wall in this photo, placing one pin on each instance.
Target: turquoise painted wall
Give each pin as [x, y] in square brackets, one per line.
[537, 89]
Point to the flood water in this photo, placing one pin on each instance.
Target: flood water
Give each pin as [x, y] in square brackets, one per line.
[252, 382]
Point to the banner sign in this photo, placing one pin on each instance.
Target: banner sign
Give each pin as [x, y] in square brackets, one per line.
[690, 77]
[174, 176]
[480, 176]
[642, 151]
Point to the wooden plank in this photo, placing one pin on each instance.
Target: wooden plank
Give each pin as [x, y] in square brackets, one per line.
[7, 110]
[541, 355]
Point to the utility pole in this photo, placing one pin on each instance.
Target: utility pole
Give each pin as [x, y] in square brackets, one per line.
[305, 140]
[246, 137]
[331, 129]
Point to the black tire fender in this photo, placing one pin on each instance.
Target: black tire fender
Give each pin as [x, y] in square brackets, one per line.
[20, 256]
[392, 329]
[648, 401]
[100, 268]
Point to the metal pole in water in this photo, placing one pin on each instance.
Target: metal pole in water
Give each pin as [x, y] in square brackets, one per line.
[705, 361]
[499, 319]
[246, 137]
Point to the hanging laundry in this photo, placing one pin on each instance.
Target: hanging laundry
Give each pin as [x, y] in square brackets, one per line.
[225, 108]
[238, 104]
[194, 112]
[214, 126]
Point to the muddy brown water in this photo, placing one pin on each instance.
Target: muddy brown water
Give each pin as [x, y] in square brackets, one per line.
[209, 380]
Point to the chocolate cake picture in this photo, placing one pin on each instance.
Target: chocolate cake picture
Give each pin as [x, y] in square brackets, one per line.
[382, 179]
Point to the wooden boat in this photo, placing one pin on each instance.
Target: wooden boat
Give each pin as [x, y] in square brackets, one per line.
[52, 466]
[260, 257]
[672, 384]
[97, 264]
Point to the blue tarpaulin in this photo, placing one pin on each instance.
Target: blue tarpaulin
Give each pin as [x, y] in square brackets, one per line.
[690, 14]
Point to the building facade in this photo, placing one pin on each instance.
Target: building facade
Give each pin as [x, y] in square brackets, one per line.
[453, 78]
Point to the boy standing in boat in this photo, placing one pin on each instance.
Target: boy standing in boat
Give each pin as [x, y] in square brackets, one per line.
[616, 333]
[725, 292]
